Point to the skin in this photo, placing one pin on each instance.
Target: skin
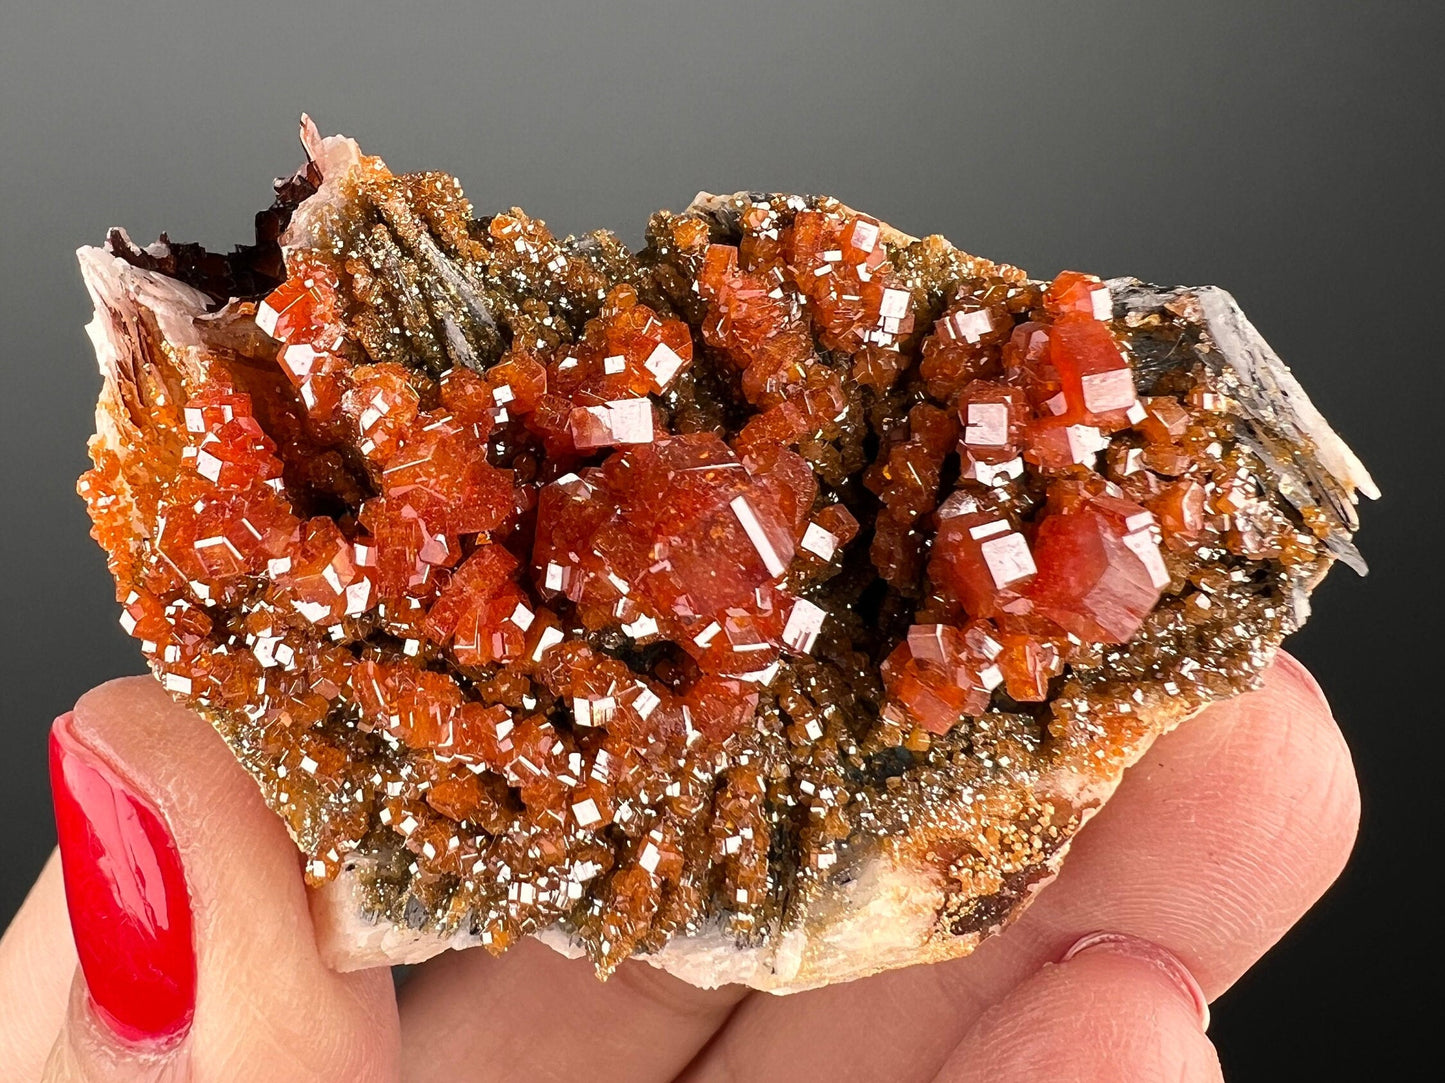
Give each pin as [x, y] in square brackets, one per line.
[1214, 845]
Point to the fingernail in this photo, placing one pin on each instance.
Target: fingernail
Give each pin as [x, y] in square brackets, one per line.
[130, 912]
[1147, 951]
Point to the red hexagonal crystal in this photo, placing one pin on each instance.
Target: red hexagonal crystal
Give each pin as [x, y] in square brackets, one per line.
[1028, 663]
[440, 471]
[982, 558]
[1099, 567]
[321, 576]
[1078, 293]
[993, 416]
[1095, 374]
[940, 675]
[678, 534]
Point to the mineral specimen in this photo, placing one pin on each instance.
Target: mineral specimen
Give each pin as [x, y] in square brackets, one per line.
[774, 602]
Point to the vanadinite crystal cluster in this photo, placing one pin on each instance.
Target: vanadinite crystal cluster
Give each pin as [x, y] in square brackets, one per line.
[661, 595]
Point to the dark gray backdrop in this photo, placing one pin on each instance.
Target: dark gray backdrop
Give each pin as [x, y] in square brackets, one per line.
[1291, 152]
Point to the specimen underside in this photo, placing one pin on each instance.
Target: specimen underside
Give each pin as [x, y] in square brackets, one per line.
[774, 602]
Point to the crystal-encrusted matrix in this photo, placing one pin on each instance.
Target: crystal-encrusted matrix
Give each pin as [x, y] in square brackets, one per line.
[545, 585]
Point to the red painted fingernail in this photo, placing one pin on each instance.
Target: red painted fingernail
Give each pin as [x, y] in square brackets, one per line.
[1146, 950]
[130, 912]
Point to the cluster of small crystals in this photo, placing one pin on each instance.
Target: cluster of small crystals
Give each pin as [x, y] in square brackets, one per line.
[575, 622]
[1078, 502]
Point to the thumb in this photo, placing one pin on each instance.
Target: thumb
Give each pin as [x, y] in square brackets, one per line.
[189, 915]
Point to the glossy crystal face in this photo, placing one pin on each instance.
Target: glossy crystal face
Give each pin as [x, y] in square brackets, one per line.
[643, 592]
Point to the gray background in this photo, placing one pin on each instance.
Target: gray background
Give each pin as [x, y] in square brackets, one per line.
[1291, 152]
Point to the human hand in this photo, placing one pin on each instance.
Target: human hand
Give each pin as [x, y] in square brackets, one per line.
[1214, 845]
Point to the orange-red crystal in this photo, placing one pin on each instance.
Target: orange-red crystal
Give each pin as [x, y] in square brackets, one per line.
[537, 612]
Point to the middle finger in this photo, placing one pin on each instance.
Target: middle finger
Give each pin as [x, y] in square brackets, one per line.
[1216, 842]
[532, 1014]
